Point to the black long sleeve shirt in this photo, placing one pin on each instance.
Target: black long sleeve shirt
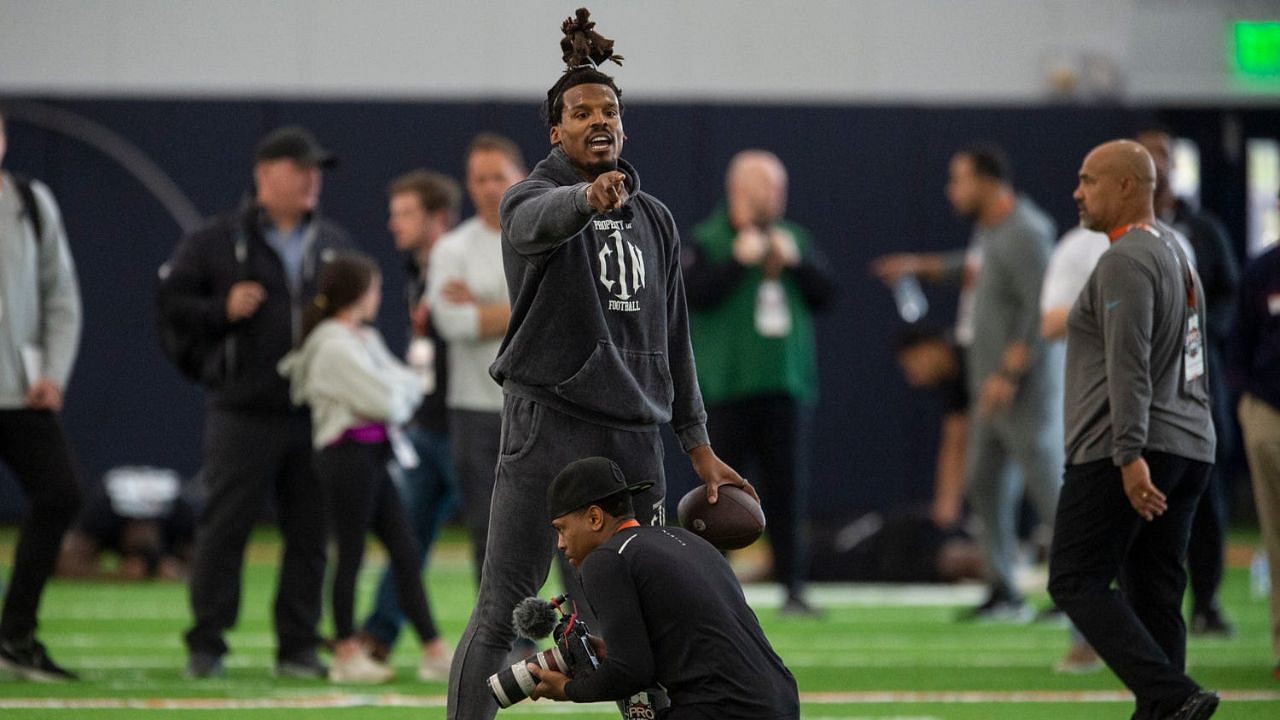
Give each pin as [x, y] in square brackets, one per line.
[671, 612]
[1217, 266]
[1255, 348]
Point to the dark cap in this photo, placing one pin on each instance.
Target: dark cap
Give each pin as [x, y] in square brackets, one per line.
[295, 143]
[587, 481]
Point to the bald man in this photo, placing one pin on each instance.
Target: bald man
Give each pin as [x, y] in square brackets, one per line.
[1139, 440]
[752, 280]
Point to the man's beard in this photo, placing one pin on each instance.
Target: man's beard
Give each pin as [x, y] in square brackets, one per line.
[602, 167]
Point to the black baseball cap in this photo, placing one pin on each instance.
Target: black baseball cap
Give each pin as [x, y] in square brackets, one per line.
[587, 481]
[295, 143]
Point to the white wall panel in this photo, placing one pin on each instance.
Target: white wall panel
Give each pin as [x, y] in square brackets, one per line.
[822, 50]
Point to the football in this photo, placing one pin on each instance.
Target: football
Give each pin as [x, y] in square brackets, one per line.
[734, 521]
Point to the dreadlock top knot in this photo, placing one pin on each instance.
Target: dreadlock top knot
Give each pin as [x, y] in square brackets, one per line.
[583, 51]
[582, 45]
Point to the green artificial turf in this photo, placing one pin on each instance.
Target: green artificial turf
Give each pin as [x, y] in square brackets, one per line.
[871, 656]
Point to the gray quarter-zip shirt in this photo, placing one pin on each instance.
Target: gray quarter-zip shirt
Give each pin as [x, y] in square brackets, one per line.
[1126, 384]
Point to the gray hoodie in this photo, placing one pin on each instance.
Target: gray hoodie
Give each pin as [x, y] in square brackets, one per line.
[599, 328]
[39, 295]
[349, 378]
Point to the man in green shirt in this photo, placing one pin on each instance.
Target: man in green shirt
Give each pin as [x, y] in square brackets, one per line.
[752, 281]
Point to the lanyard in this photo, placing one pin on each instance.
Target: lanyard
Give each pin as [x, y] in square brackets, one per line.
[1118, 233]
[1188, 279]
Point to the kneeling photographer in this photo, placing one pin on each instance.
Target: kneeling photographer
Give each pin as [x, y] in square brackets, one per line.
[669, 609]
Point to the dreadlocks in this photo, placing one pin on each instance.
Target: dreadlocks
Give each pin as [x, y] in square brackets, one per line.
[583, 50]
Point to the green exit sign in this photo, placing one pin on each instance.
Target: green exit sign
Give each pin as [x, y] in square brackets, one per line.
[1258, 49]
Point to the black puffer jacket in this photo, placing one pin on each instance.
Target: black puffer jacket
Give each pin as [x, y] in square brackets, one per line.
[193, 292]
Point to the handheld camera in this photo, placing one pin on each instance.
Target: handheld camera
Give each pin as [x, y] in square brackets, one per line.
[572, 653]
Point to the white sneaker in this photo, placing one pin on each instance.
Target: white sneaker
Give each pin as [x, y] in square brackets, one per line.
[360, 669]
[435, 669]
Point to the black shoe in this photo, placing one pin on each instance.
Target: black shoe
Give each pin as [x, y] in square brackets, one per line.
[303, 666]
[30, 661]
[1054, 615]
[1001, 607]
[204, 666]
[797, 607]
[1211, 623]
[1199, 706]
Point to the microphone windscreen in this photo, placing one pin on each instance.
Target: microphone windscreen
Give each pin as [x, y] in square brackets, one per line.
[533, 618]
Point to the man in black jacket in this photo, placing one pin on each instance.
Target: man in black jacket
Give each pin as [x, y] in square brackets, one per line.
[670, 610]
[243, 281]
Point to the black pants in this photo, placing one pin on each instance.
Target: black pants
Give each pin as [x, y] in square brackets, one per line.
[763, 438]
[33, 446]
[475, 437]
[245, 456]
[1098, 539]
[1207, 551]
[361, 497]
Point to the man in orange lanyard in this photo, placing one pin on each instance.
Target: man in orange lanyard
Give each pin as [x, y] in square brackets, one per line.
[1139, 440]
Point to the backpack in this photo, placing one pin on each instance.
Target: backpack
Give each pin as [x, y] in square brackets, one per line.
[198, 356]
[27, 201]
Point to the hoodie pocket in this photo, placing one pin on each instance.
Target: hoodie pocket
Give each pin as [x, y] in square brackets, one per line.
[521, 420]
[629, 385]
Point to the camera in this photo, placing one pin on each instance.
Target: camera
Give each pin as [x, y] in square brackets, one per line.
[572, 653]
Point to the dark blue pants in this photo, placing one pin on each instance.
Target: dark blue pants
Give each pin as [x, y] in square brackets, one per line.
[1099, 540]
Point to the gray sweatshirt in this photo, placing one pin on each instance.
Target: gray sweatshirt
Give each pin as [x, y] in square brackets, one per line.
[1126, 386]
[1006, 309]
[39, 295]
[599, 329]
[349, 378]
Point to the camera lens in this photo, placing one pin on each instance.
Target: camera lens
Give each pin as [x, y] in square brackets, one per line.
[516, 683]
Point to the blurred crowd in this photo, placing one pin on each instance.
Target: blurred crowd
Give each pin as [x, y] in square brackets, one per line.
[269, 308]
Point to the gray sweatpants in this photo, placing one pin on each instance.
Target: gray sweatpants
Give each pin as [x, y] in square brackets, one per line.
[1018, 450]
[537, 442]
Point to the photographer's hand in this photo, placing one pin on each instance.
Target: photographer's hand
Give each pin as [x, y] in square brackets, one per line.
[597, 644]
[713, 472]
[550, 683]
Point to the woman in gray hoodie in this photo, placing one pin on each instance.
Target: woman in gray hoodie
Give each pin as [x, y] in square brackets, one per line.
[359, 395]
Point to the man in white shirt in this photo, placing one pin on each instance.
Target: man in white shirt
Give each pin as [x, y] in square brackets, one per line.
[467, 292]
[1069, 268]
